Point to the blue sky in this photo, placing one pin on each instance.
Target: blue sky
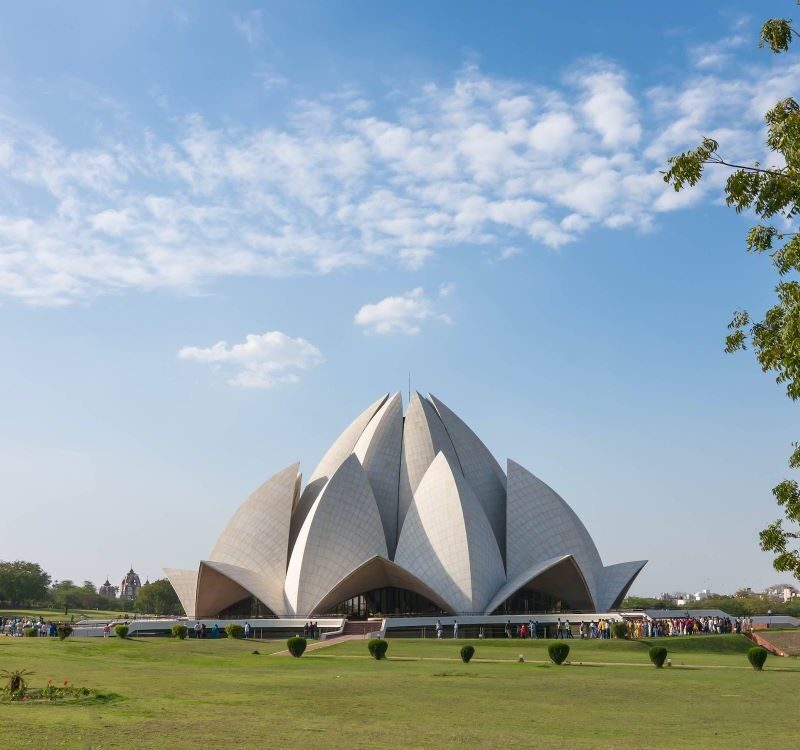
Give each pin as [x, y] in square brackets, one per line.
[226, 230]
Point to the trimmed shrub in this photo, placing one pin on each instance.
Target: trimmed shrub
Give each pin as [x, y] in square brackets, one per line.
[658, 655]
[64, 630]
[180, 631]
[296, 646]
[377, 648]
[757, 656]
[30, 632]
[619, 630]
[121, 631]
[467, 652]
[558, 652]
[234, 631]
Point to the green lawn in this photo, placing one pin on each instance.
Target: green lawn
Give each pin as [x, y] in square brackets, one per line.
[216, 694]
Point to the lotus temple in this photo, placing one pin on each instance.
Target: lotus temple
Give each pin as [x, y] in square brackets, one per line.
[405, 515]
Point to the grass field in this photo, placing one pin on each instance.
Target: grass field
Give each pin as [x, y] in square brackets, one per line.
[217, 694]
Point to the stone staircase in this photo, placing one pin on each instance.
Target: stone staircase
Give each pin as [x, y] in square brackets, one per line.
[361, 627]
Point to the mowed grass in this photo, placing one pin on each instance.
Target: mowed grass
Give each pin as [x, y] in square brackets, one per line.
[217, 694]
[711, 650]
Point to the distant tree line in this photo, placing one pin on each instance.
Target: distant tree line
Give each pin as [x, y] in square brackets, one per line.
[27, 584]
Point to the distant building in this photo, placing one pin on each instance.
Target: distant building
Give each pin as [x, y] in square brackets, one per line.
[107, 590]
[782, 592]
[681, 599]
[130, 585]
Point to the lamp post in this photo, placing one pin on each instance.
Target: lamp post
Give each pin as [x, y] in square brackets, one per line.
[769, 619]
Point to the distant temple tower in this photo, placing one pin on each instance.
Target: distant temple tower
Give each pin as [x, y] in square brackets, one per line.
[130, 585]
[107, 590]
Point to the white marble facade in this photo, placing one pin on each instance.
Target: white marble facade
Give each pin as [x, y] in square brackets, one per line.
[416, 502]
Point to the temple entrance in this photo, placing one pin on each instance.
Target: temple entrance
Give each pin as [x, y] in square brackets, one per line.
[530, 601]
[384, 601]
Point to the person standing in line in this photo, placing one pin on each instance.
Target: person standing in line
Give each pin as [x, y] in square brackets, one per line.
[508, 629]
[198, 628]
[106, 630]
[247, 630]
[455, 628]
[531, 631]
[439, 630]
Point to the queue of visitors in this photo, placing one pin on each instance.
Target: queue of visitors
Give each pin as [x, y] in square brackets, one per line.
[687, 625]
[15, 626]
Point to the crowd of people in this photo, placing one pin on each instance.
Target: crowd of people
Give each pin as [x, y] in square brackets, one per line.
[534, 629]
[15, 626]
[687, 625]
[311, 630]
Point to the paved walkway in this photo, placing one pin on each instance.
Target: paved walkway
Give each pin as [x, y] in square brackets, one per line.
[316, 645]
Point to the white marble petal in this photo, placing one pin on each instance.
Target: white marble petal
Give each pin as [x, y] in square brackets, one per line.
[219, 585]
[257, 536]
[331, 461]
[615, 580]
[185, 584]
[447, 542]
[560, 577]
[378, 449]
[342, 530]
[540, 525]
[424, 435]
[480, 468]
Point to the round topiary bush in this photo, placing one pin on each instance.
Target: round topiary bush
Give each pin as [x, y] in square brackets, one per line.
[377, 648]
[234, 631]
[296, 646]
[757, 656]
[467, 652]
[180, 631]
[121, 631]
[30, 632]
[658, 655]
[619, 630]
[64, 630]
[558, 652]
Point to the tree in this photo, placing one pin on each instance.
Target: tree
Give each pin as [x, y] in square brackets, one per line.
[158, 598]
[773, 193]
[22, 582]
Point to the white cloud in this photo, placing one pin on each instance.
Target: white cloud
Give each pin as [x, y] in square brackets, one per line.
[261, 361]
[716, 54]
[484, 163]
[509, 252]
[610, 108]
[401, 314]
[250, 26]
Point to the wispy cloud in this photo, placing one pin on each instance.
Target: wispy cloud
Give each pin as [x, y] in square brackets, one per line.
[718, 53]
[402, 314]
[261, 361]
[485, 163]
[250, 26]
